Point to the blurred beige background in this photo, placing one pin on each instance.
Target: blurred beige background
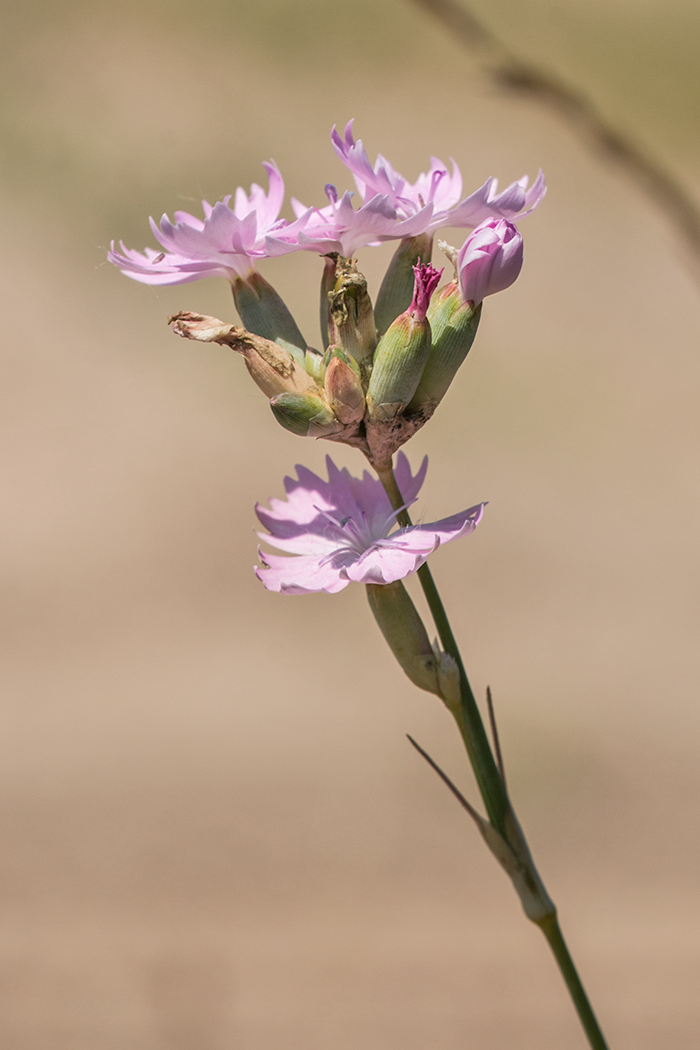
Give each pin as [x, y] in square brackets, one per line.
[215, 834]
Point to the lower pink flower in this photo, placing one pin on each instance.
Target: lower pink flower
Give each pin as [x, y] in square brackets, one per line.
[340, 531]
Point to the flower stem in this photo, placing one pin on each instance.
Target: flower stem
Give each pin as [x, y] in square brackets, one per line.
[550, 928]
[493, 789]
[467, 714]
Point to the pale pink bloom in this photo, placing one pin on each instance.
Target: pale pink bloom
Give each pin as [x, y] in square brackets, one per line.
[437, 188]
[340, 531]
[225, 243]
[338, 227]
[489, 260]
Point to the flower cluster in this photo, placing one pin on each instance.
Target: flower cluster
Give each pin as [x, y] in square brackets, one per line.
[383, 365]
[230, 239]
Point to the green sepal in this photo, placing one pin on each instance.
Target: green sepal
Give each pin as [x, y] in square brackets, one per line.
[399, 361]
[454, 325]
[264, 312]
[404, 632]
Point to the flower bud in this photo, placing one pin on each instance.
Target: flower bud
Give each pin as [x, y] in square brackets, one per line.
[305, 415]
[489, 260]
[398, 284]
[272, 367]
[351, 317]
[344, 389]
[265, 313]
[453, 324]
[403, 629]
[402, 352]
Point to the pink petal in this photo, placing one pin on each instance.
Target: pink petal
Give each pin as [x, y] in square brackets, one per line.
[409, 485]
[385, 565]
[299, 575]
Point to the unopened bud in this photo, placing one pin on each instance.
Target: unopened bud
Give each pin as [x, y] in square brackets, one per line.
[305, 415]
[273, 368]
[397, 286]
[489, 260]
[344, 389]
[351, 317]
[403, 351]
[265, 313]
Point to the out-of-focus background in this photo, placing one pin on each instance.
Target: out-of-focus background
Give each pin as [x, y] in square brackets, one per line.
[215, 834]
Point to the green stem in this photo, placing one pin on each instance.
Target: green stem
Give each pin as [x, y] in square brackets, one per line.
[551, 930]
[491, 785]
[467, 715]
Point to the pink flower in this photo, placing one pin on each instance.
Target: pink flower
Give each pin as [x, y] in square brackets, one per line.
[489, 260]
[224, 243]
[338, 227]
[340, 531]
[435, 194]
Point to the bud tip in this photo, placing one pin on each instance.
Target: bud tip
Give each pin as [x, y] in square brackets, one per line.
[427, 279]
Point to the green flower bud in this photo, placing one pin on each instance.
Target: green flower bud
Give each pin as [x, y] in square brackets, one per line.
[344, 388]
[403, 351]
[397, 287]
[453, 323]
[264, 313]
[403, 629]
[305, 415]
[399, 361]
[351, 317]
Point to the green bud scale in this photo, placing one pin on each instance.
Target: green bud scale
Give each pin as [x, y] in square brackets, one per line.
[344, 388]
[305, 415]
